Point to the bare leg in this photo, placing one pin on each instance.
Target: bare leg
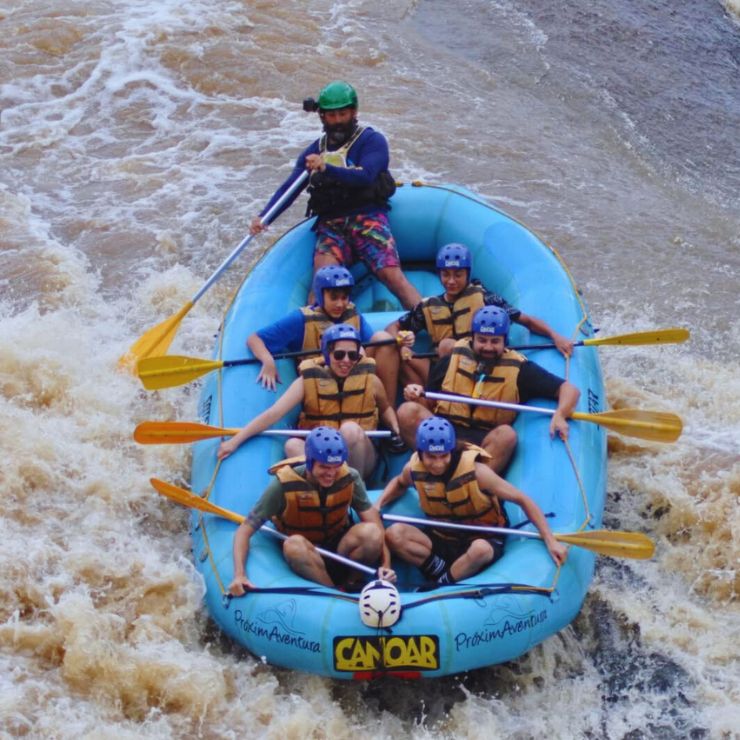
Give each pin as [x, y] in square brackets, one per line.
[304, 560]
[445, 347]
[387, 360]
[362, 455]
[295, 447]
[394, 279]
[363, 543]
[477, 556]
[408, 543]
[500, 444]
[415, 371]
[410, 415]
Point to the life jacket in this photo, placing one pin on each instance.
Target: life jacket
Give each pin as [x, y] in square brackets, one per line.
[319, 515]
[457, 499]
[467, 376]
[443, 322]
[316, 321]
[329, 198]
[325, 403]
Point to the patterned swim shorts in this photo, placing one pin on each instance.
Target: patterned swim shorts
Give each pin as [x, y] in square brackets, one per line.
[360, 237]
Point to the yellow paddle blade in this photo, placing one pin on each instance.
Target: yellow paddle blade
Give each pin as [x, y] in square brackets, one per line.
[168, 371]
[187, 498]
[657, 426]
[177, 432]
[613, 543]
[156, 341]
[655, 336]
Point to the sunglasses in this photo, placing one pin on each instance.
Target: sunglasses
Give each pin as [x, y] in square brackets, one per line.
[352, 355]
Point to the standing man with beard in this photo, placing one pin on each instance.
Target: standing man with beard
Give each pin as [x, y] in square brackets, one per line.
[483, 367]
[349, 187]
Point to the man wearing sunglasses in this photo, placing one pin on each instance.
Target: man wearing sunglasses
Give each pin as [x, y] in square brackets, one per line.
[339, 390]
[302, 329]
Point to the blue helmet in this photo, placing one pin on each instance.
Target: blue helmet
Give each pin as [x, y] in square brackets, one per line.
[325, 445]
[435, 434]
[336, 333]
[454, 256]
[331, 276]
[491, 320]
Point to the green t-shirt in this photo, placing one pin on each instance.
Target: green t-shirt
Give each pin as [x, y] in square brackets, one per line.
[272, 500]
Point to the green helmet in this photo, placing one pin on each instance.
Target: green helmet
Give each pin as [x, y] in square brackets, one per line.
[337, 95]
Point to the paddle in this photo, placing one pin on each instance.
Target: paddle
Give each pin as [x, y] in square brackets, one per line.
[653, 336]
[602, 541]
[158, 339]
[184, 432]
[186, 498]
[657, 426]
[169, 371]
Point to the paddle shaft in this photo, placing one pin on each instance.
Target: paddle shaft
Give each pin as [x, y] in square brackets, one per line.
[659, 426]
[185, 432]
[464, 527]
[493, 404]
[373, 434]
[266, 219]
[550, 345]
[186, 498]
[604, 542]
[300, 353]
[326, 553]
[167, 371]
[651, 336]
[429, 355]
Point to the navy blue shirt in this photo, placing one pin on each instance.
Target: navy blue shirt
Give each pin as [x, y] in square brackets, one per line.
[367, 158]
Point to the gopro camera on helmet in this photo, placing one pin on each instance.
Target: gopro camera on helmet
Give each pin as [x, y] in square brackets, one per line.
[310, 105]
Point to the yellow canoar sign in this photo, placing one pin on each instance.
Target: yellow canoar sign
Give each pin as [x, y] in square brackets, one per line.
[399, 652]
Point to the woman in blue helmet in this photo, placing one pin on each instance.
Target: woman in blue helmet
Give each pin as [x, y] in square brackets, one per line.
[483, 367]
[311, 503]
[455, 485]
[349, 187]
[341, 390]
[301, 330]
[447, 317]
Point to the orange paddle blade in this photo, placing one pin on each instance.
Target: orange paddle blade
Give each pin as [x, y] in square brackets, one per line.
[187, 498]
[177, 432]
[156, 341]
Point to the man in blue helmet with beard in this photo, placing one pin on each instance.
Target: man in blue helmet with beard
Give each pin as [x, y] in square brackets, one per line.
[447, 317]
[311, 502]
[302, 329]
[349, 187]
[483, 367]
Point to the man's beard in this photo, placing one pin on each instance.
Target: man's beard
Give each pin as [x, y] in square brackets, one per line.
[486, 364]
[339, 133]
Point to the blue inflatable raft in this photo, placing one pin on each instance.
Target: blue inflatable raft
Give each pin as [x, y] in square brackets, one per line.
[493, 617]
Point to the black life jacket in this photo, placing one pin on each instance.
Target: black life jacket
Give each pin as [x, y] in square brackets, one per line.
[329, 198]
